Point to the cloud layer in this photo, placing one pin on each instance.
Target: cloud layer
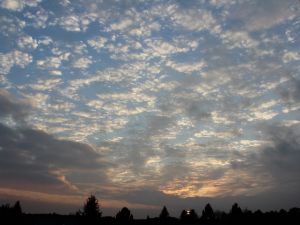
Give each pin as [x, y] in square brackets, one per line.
[181, 100]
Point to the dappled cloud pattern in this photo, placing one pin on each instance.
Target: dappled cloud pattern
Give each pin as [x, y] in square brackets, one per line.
[184, 99]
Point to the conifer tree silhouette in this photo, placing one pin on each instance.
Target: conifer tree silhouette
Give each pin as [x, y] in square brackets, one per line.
[17, 208]
[91, 210]
[208, 214]
[164, 213]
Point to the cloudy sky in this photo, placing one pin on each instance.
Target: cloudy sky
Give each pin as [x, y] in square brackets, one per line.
[150, 103]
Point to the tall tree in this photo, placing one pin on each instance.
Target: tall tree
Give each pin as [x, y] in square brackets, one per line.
[208, 213]
[164, 213]
[17, 208]
[236, 214]
[91, 208]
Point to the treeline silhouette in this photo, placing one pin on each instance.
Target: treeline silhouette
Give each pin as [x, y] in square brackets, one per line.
[92, 215]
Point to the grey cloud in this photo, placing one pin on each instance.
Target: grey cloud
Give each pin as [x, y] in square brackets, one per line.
[257, 15]
[291, 92]
[11, 106]
[35, 159]
[32, 157]
[198, 110]
[278, 161]
[194, 107]
[157, 124]
[282, 159]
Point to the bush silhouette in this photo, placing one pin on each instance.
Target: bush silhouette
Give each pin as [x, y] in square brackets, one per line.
[124, 216]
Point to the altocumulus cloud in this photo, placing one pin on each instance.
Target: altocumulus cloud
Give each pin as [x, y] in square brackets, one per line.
[179, 101]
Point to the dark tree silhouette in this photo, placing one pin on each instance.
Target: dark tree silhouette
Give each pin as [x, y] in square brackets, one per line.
[5, 210]
[124, 216]
[91, 208]
[91, 211]
[10, 215]
[17, 209]
[91, 215]
[183, 214]
[164, 213]
[236, 214]
[236, 210]
[208, 214]
[193, 214]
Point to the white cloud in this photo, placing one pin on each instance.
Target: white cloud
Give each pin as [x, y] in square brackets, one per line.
[65, 2]
[134, 96]
[290, 35]
[145, 29]
[61, 105]
[70, 23]
[76, 23]
[7, 61]
[82, 63]
[268, 104]
[289, 123]
[45, 40]
[252, 143]
[53, 62]
[32, 3]
[127, 72]
[21, 59]
[27, 42]
[220, 118]
[97, 43]
[38, 19]
[11, 26]
[261, 115]
[18, 5]
[43, 85]
[238, 39]
[55, 72]
[290, 56]
[215, 134]
[195, 20]
[38, 100]
[220, 3]
[97, 104]
[79, 48]
[121, 25]
[14, 5]
[162, 48]
[50, 62]
[187, 67]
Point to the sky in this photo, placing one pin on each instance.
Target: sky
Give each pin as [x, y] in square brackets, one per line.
[150, 103]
